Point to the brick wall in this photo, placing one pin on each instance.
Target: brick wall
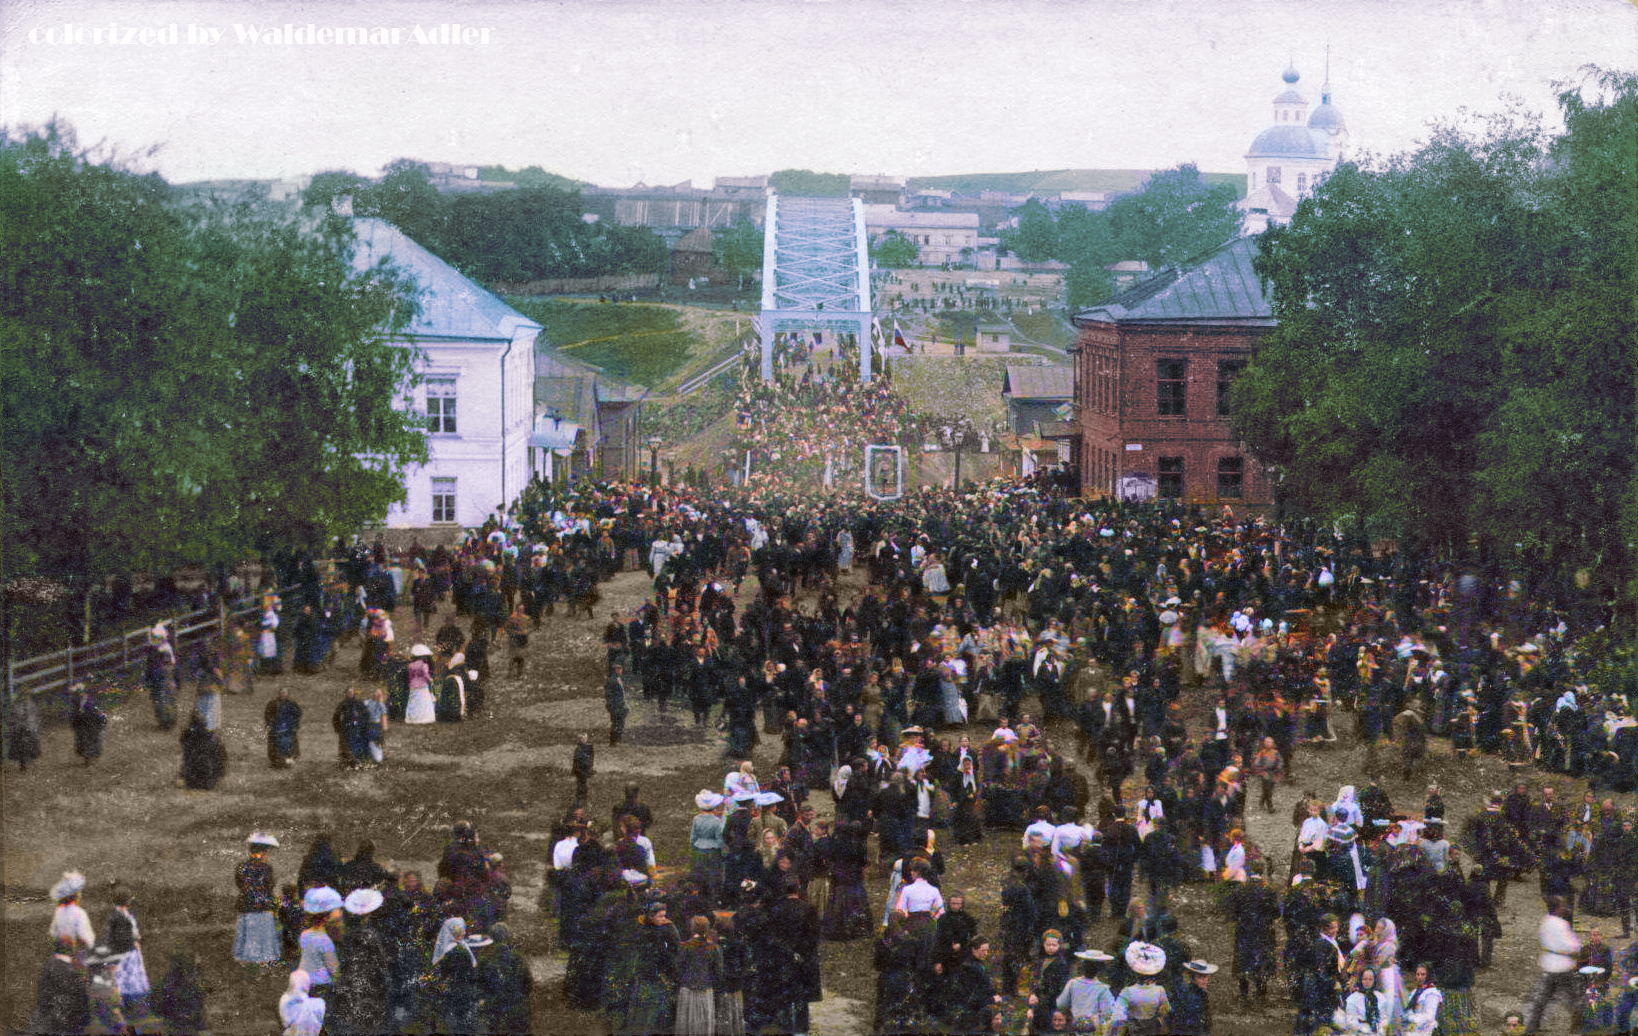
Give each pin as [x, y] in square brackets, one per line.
[1118, 397]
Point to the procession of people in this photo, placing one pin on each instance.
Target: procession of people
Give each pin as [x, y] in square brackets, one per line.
[1098, 687]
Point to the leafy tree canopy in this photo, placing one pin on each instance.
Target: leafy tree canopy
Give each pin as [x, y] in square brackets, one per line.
[1455, 353]
[529, 233]
[738, 249]
[894, 251]
[806, 182]
[183, 384]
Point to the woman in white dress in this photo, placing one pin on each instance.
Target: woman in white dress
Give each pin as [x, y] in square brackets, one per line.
[1386, 962]
[1422, 1005]
[421, 707]
[1366, 1012]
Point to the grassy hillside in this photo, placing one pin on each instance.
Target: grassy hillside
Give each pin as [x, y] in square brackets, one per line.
[1051, 181]
[651, 345]
[644, 344]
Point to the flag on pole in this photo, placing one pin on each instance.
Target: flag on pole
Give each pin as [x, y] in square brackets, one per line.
[898, 336]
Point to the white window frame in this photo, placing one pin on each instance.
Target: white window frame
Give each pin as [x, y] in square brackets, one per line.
[442, 416]
[444, 497]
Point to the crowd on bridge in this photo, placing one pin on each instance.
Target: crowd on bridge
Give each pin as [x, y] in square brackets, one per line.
[1109, 688]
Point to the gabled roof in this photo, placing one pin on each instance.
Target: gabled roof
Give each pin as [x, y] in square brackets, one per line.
[452, 306]
[1055, 381]
[1269, 199]
[1218, 288]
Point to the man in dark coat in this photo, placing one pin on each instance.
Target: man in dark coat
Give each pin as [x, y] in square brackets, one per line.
[971, 991]
[62, 1003]
[791, 945]
[351, 723]
[1123, 846]
[614, 699]
[585, 759]
[283, 719]
[1255, 907]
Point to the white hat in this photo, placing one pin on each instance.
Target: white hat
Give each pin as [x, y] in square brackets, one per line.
[634, 877]
[262, 838]
[477, 941]
[321, 900]
[707, 800]
[769, 798]
[1094, 955]
[362, 901]
[1200, 967]
[420, 651]
[1145, 958]
[69, 884]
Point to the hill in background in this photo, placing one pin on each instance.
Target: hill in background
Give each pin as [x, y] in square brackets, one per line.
[1052, 181]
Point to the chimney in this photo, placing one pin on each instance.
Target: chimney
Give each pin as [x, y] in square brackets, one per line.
[342, 205]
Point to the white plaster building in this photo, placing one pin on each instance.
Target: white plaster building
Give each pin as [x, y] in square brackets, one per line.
[942, 237]
[1291, 156]
[477, 386]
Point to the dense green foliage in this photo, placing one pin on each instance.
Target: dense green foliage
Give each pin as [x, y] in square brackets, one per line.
[894, 251]
[641, 343]
[1052, 181]
[807, 183]
[738, 249]
[513, 235]
[184, 383]
[1176, 216]
[1455, 352]
[529, 176]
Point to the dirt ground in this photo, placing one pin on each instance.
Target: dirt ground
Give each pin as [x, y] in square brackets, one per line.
[127, 818]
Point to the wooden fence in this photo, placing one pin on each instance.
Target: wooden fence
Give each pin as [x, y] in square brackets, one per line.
[111, 659]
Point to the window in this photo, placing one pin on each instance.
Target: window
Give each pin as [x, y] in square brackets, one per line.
[1273, 175]
[1227, 371]
[1170, 485]
[1302, 182]
[443, 500]
[1231, 476]
[441, 406]
[1170, 387]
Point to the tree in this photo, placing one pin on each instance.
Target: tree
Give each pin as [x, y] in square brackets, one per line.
[1454, 356]
[806, 182]
[1176, 216]
[185, 384]
[1036, 237]
[894, 251]
[738, 249]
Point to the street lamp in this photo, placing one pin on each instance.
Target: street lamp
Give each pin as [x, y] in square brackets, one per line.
[654, 443]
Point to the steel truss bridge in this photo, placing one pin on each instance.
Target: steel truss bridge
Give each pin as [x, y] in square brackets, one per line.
[815, 273]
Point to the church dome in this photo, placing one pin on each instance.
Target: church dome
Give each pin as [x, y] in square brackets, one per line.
[1326, 117]
[1290, 74]
[1291, 97]
[1290, 141]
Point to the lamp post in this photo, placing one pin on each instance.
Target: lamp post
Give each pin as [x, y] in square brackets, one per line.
[654, 443]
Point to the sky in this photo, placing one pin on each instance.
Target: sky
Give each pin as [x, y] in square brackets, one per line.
[616, 92]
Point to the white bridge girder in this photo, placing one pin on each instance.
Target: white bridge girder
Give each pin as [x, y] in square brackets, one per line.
[815, 273]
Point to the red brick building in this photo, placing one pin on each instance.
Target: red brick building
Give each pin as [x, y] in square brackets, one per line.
[1152, 370]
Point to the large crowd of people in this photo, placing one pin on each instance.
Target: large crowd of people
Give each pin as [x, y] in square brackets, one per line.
[1107, 689]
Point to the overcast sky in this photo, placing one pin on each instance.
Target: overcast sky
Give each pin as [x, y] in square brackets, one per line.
[617, 91]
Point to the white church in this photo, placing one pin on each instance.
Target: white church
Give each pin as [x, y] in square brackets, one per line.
[1292, 155]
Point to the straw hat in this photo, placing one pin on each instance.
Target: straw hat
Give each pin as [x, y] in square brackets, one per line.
[262, 838]
[1145, 958]
[1200, 967]
[362, 901]
[707, 800]
[321, 900]
[70, 884]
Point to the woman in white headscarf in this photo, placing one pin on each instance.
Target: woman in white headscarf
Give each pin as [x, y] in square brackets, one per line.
[1345, 810]
[300, 1014]
[449, 937]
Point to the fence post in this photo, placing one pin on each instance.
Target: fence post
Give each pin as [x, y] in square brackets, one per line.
[71, 663]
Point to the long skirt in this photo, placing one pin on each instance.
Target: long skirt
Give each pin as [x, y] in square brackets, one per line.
[1458, 1014]
[730, 1014]
[131, 977]
[847, 915]
[696, 1012]
[256, 939]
